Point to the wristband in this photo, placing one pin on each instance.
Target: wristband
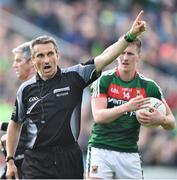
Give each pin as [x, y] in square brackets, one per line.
[9, 158]
[129, 37]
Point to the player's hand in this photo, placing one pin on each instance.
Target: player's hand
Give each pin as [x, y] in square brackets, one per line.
[136, 103]
[11, 170]
[154, 117]
[138, 25]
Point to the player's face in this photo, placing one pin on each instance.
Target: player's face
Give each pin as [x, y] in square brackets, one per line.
[21, 67]
[45, 60]
[129, 58]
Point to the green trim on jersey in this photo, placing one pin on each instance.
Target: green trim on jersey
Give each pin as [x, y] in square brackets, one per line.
[122, 134]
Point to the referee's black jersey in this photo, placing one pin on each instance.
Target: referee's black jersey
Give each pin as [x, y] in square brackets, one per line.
[52, 107]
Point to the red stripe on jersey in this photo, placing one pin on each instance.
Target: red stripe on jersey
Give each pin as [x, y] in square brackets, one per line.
[123, 93]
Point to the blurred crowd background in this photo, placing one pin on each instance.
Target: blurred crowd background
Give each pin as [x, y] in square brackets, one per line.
[83, 29]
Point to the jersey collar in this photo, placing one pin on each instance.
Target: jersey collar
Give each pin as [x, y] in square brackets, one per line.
[118, 74]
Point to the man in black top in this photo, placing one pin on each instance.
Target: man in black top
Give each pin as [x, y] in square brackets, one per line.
[51, 102]
[24, 70]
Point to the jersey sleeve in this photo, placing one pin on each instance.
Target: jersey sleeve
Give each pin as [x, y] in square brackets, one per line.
[155, 91]
[18, 114]
[99, 88]
[87, 71]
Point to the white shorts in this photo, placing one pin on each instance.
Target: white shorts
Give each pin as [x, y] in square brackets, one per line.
[107, 164]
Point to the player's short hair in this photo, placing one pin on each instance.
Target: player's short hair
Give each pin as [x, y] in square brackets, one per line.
[24, 49]
[44, 40]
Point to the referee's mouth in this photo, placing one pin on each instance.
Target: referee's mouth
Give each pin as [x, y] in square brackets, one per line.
[47, 66]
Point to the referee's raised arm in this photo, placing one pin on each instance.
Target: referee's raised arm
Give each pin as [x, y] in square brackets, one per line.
[114, 50]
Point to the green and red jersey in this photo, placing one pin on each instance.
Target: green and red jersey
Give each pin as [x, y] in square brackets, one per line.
[122, 134]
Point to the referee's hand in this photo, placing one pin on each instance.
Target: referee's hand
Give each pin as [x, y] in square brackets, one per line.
[138, 25]
[11, 170]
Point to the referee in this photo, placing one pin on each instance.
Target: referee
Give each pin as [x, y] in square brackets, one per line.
[50, 102]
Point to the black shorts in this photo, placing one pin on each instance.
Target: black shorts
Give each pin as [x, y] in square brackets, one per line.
[53, 163]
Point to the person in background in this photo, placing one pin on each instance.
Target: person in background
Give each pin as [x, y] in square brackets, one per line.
[116, 95]
[51, 103]
[24, 70]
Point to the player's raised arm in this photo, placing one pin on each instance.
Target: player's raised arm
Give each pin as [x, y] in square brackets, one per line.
[113, 51]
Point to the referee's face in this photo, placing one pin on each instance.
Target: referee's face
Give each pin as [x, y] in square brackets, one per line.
[45, 60]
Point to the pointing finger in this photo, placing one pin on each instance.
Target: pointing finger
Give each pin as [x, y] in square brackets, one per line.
[139, 16]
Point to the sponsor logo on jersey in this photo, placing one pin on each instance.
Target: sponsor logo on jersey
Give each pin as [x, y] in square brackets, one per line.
[118, 102]
[61, 91]
[34, 98]
[114, 90]
[120, 92]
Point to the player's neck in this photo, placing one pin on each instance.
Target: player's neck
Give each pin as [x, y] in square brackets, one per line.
[127, 75]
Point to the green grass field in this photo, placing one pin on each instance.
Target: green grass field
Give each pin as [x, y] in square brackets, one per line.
[5, 112]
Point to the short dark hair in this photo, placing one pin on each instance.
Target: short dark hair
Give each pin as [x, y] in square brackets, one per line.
[44, 40]
[24, 49]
